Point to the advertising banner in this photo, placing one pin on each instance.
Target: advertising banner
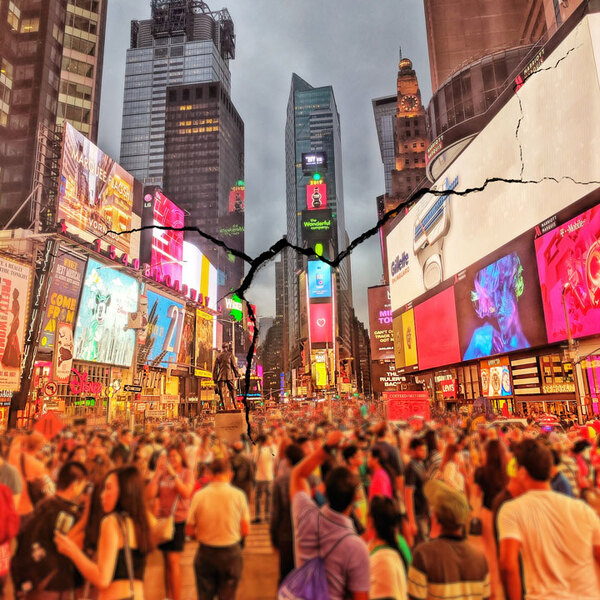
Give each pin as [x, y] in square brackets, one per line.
[231, 230]
[405, 340]
[62, 358]
[317, 225]
[237, 200]
[204, 344]
[95, 195]
[319, 279]
[186, 348]
[380, 323]
[568, 259]
[199, 274]
[321, 323]
[495, 377]
[316, 196]
[165, 329]
[108, 296]
[401, 406]
[449, 388]
[63, 296]
[14, 297]
[162, 249]
[385, 378]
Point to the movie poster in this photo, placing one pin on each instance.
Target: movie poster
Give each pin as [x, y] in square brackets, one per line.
[204, 344]
[14, 296]
[186, 348]
[62, 359]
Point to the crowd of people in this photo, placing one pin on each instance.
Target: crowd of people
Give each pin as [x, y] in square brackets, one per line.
[444, 509]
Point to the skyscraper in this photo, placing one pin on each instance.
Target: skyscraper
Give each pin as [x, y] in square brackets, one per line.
[183, 42]
[384, 110]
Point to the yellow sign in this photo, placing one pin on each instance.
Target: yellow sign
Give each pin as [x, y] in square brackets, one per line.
[558, 388]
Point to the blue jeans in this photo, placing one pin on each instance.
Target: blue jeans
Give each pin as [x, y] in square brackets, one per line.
[263, 487]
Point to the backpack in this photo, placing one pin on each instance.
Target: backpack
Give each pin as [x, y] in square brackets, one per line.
[309, 582]
[9, 523]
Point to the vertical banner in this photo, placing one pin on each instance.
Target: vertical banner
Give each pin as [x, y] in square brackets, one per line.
[204, 340]
[62, 359]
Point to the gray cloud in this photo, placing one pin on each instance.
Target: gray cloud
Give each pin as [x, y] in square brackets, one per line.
[348, 44]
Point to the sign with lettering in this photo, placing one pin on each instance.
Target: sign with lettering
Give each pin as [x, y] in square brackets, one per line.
[380, 323]
[558, 388]
[401, 406]
[449, 388]
[80, 384]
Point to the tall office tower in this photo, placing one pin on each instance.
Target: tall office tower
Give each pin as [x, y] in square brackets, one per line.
[384, 110]
[81, 72]
[315, 213]
[183, 43]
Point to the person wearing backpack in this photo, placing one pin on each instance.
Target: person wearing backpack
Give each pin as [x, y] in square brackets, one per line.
[327, 535]
[38, 570]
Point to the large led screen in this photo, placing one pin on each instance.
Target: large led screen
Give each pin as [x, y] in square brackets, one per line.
[319, 279]
[95, 194]
[165, 328]
[317, 225]
[316, 196]
[162, 248]
[321, 323]
[568, 259]
[380, 323]
[437, 331]
[108, 296]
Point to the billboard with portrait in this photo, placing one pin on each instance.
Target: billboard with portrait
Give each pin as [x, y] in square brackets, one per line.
[165, 329]
[316, 196]
[15, 279]
[321, 323]
[95, 195]
[568, 259]
[495, 378]
[319, 279]
[63, 296]
[108, 296]
[188, 338]
[380, 323]
[62, 357]
[162, 249]
[204, 344]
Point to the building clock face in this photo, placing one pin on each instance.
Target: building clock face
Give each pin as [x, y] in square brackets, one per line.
[409, 103]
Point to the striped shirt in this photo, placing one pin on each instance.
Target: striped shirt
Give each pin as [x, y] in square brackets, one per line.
[448, 567]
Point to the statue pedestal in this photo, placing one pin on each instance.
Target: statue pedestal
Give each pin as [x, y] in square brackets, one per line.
[229, 425]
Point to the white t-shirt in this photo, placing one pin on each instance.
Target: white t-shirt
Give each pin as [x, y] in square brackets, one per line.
[453, 477]
[388, 578]
[557, 535]
[264, 458]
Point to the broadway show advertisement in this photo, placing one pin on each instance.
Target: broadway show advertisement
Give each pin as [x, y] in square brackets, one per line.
[568, 259]
[95, 194]
[380, 323]
[14, 295]
[186, 348]
[165, 329]
[384, 377]
[321, 323]
[62, 297]
[62, 359]
[162, 248]
[204, 344]
[108, 297]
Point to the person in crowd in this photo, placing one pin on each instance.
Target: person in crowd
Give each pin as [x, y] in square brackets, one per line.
[447, 566]
[243, 469]
[97, 463]
[391, 456]
[451, 469]
[38, 570]
[557, 537]
[219, 518]
[387, 562]
[558, 482]
[581, 454]
[264, 461]
[124, 541]
[417, 510]
[382, 480]
[354, 459]
[329, 532]
[434, 458]
[281, 529]
[124, 446]
[173, 484]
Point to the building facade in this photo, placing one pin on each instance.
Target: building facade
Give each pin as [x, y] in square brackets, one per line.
[384, 111]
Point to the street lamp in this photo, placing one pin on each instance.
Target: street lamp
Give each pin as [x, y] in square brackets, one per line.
[573, 354]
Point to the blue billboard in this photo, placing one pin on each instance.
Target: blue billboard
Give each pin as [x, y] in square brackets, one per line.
[165, 328]
[319, 279]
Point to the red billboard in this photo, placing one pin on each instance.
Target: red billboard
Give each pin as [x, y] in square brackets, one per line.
[237, 199]
[162, 248]
[380, 323]
[321, 323]
[316, 196]
[401, 406]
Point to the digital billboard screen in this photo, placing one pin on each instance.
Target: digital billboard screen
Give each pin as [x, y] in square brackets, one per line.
[316, 196]
[317, 225]
[380, 323]
[204, 344]
[95, 194]
[495, 378]
[321, 323]
[568, 260]
[165, 329]
[311, 161]
[405, 340]
[319, 279]
[108, 296]
[237, 199]
[231, 230]
[162, 248]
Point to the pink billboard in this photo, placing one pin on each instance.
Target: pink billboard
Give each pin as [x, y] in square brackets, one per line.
[568, 260]
[321, 323]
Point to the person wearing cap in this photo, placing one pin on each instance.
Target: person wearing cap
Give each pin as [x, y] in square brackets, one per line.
[447, 566]
[557, 537]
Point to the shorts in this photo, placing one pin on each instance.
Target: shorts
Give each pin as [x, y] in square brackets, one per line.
[176, 544]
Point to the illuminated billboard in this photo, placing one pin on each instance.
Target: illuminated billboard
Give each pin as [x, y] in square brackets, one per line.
[95, 195]
[231, 230]
[312, 161]
[108, 296]
[495, 378]
[204, 344]
[186, 348]
[317, 225]
[162, 249]
[199, 274]
[321, 323]
[568, 259]
[316, 196]
[380, 323]
[237, 198]
[319, 279]
[165, 329]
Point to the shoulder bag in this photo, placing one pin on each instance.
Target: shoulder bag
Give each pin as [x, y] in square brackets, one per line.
[164, 530]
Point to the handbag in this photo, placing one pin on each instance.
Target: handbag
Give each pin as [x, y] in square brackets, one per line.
[127, 551]
[164, 530]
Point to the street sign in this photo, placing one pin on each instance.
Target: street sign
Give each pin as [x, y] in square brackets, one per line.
[50, 389]
[133, 388]
[49, 425]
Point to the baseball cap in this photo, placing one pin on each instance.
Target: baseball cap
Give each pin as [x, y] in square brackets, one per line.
[450, 506]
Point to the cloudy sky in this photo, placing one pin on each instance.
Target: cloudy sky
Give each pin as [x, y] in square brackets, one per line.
[350, 44]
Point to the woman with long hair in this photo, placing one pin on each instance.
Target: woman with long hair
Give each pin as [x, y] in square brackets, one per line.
[124, 538]
[451, 468]
[388, 564]
[383, 479]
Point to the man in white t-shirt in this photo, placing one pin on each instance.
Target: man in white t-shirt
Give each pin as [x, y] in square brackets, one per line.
[557, 537]
[264, 458]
